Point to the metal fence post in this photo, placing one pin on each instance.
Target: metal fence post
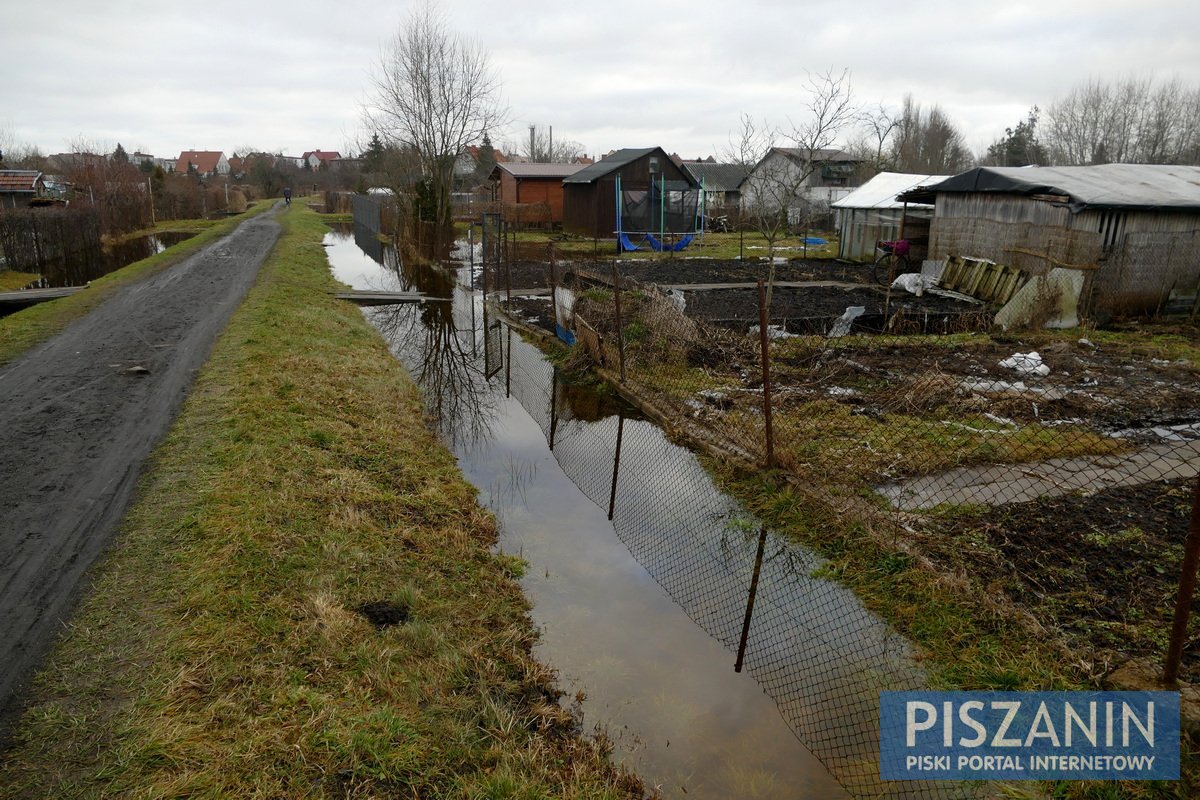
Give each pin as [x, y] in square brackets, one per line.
[612, 492]
[762, 543]
[763, 319]
[620, 327]
[1187, 589]
[553, 285]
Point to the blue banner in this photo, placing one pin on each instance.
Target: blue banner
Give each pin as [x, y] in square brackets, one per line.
[1029, 736]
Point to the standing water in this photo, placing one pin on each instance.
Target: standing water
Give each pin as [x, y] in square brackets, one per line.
[641, 615]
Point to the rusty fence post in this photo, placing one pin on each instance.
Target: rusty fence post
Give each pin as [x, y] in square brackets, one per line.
[553, 284]
[553, 406]
[762, 543]
[612, 492]
[1187, 589]
[616, 274]
[764, 342]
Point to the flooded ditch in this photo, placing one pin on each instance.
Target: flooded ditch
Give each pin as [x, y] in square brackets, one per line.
[639, 568]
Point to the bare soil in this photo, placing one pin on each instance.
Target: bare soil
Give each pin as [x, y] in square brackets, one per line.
[1103, 569]
[81, 414]
[671, 271]
[1109, 387]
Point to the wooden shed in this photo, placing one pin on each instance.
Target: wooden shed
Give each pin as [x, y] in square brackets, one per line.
[20, 187]
[872, 213]
[589, 196]
[1133, 229]
[531, 192]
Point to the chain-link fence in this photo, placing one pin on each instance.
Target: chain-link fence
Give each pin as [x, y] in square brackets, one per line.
[808, 641]
[1041, 454]
[1051, 464]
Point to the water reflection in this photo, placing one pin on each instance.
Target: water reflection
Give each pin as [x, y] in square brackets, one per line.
[77, 267]
[427, 337]
[609, 595]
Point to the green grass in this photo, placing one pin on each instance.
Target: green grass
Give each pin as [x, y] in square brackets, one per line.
[713, 245]
[965, 637]
[11, 280]
[219, 653]
[26, 328]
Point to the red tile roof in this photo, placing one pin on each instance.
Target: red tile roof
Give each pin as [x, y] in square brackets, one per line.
[19, 180]
[203, 160]
[323, 155]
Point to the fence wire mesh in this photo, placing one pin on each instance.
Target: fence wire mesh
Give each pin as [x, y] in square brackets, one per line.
[810, 643]
[1049, 469]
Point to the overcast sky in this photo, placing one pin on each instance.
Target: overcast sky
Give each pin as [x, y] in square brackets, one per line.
[291, 76]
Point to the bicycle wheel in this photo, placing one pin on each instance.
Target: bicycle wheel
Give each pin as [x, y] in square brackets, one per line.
[881, 272]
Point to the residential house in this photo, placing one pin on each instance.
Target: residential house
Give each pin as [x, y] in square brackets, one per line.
[799, 179]
[203, 162]
[20, 187]
[872, 213]
[316, 159]
[1128, 234]
[722, 183]
[590, 195]
[539, 185]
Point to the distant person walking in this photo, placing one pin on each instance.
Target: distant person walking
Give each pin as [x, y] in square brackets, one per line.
[287, 195]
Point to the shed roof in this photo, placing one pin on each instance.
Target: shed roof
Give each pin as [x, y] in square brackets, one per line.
[1142, 186]
[19, 180]
[881, 191]
[538, 170]
[820, 155]
[614, 162]
[718, 177]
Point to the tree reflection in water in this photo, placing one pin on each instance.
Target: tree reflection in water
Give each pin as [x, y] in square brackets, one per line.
[439, 354]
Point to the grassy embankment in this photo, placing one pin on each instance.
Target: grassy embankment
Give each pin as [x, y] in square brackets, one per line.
[225, 651]
[35, 324]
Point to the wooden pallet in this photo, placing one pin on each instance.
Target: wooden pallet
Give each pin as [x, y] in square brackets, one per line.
[982, 279]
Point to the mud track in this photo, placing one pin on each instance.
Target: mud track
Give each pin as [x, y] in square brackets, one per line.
[79, 414]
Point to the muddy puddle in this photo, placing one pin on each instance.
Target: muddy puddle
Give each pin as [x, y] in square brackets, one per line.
[642, 614]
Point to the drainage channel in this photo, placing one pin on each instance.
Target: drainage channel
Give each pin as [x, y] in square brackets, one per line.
[642, 614]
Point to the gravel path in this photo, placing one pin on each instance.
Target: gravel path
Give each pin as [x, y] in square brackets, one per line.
[79, 414]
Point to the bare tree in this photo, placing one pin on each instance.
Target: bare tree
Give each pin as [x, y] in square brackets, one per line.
[871, 143]
[928, 142]
[434, 93]
[541, 148]
[1132, 120]
[774, 196]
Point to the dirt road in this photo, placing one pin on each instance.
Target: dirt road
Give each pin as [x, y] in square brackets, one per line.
[79, 414]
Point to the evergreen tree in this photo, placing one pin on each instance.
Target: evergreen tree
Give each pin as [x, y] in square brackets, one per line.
[373, 158]
[487, 159]
[1020, 146]
[119, 155]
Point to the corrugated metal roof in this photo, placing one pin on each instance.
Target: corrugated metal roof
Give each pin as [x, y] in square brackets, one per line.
[1144, 186]
[881, 191]
[19, 180]
[540, 170]
[626, 155]
[718, 177]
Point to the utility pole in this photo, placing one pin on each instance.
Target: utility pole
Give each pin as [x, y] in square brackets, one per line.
[532, 151]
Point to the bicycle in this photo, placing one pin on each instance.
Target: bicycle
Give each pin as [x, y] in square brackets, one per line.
[892, 261]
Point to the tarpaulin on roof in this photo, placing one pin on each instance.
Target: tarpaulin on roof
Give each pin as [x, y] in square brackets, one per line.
[881, 191]
[1141, 186]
